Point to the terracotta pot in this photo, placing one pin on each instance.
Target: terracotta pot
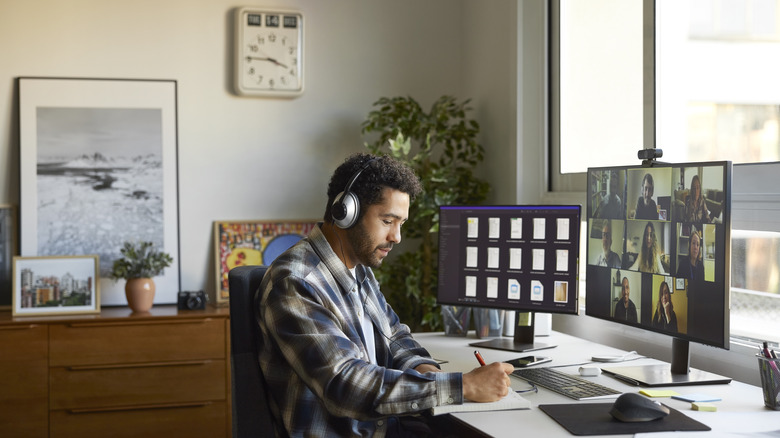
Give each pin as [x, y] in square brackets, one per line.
[140, 294]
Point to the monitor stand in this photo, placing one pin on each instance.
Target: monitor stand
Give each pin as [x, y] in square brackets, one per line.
[678, 373]
[523, 340]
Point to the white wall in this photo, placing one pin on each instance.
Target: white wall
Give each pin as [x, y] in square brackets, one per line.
[253, 158]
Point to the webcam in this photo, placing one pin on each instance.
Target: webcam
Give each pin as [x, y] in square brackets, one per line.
[648, 156]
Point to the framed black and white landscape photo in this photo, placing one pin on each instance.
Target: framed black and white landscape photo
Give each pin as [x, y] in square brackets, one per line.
[98, 167]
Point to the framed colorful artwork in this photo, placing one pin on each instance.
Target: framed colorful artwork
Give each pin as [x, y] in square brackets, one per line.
[55, 285]
[238, 243]
[98, 168]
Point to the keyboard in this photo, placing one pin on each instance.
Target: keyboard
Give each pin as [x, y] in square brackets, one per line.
[565, 384]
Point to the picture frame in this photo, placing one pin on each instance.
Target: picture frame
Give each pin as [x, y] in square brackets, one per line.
[254, 242]
[98, 168]
[8, 236]
[56, 285]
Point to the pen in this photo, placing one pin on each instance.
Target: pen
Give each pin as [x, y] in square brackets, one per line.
[479, 358]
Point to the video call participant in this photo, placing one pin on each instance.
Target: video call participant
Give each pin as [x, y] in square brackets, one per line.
[664, 317]
[608, 257]
[610, 205]
[695, 207]
[645, 205]
[691, 266]
[337, 360]
[625, 309]
[649, 257]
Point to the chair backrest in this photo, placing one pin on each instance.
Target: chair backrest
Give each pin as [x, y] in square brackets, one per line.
[252, 415]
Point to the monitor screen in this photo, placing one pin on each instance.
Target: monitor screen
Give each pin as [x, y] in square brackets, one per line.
[658, 249]
[520, 257]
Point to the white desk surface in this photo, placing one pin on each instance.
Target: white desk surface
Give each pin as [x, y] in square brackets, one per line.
[741, 410]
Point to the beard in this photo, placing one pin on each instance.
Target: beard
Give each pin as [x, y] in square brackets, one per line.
[365, 250]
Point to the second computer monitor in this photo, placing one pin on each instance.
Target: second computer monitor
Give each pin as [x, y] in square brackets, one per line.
[518, 257]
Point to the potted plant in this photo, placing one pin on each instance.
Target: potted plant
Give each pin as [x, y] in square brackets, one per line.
[138, 265]
[441, 147]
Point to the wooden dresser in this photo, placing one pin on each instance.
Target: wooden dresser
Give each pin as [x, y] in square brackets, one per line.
[163, 373]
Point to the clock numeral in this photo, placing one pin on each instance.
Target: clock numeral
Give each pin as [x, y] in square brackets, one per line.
[271, 83]
[292, 72]
[284, 40]
[251, 71]
[272, 37]
[260, 39]
[283, 80]
[253, 48]
[259, 79]
[291, 50]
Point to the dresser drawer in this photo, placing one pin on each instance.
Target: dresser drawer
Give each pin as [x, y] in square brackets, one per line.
[90, 343]
[150, 383]
[24, 407]
[23, 342]
[206, 420]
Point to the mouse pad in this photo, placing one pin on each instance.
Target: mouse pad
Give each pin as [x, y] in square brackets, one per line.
[594, 419]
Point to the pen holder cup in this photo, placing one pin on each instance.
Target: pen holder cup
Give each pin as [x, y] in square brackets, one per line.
[770, 381]
[488, 322]
[456, 320]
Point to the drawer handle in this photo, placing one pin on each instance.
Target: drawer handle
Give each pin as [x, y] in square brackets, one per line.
[139, 365]
[18, 327]
[139, 407]
[122, 324]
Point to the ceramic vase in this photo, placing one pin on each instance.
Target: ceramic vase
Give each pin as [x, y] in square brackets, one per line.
[140, 294]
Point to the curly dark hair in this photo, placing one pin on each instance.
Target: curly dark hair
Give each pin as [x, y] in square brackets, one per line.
[383, 171]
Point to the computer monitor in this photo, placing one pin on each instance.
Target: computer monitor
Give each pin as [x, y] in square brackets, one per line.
[516, 257]
[658, 259]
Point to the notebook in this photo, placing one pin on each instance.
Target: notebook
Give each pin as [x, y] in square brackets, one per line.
[512, 400]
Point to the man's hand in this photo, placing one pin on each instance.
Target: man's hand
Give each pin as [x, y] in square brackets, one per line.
[488, 383]
[425, 368]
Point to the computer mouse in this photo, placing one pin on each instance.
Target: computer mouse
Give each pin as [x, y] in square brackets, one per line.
[632, 407]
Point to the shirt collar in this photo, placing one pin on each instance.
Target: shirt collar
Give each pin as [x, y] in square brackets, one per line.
[334, 264]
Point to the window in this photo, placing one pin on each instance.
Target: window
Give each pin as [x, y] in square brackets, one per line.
[701, 86]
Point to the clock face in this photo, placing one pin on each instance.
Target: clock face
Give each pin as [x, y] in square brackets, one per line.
[269, 53]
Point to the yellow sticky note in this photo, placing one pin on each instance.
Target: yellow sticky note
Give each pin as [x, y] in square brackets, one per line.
[701, 406]
[658, 392]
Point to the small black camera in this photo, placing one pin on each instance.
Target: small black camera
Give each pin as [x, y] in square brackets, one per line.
[192, 300]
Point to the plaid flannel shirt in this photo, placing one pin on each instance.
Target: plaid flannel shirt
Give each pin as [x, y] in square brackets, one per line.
[320, 380]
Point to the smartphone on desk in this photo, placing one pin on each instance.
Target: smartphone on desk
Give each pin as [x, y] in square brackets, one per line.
[528, 361]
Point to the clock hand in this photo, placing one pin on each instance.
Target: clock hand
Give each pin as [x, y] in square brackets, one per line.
[259, 58]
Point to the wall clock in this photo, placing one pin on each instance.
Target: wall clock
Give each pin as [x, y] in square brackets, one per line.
[268, 52]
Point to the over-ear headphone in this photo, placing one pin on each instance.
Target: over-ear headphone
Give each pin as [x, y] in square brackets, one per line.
[346, 207]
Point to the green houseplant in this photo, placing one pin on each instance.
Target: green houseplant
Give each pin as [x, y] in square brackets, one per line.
[138, 265]
[441, 146]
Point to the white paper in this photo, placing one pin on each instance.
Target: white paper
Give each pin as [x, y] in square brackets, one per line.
[515, 258]
[471, 286]
[563, 228]
[561, 260]
[492, 287]
[472, 259]
[513, 290]
[539, 231]
[494, 228]
[492, 258]
[537, 256]
[473, 227]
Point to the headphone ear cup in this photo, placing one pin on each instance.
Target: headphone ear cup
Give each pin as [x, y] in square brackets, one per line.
[345, 210]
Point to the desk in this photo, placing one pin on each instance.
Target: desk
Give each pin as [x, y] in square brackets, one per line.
[742, 404]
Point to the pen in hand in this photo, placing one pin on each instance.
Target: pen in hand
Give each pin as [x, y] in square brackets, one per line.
[479, 358]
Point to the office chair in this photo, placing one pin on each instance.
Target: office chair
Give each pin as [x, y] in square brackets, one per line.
[252, 416]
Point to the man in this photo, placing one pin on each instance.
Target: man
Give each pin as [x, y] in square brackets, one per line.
[608, 257]
[625, 309]
[337, 360]
[611, 205]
